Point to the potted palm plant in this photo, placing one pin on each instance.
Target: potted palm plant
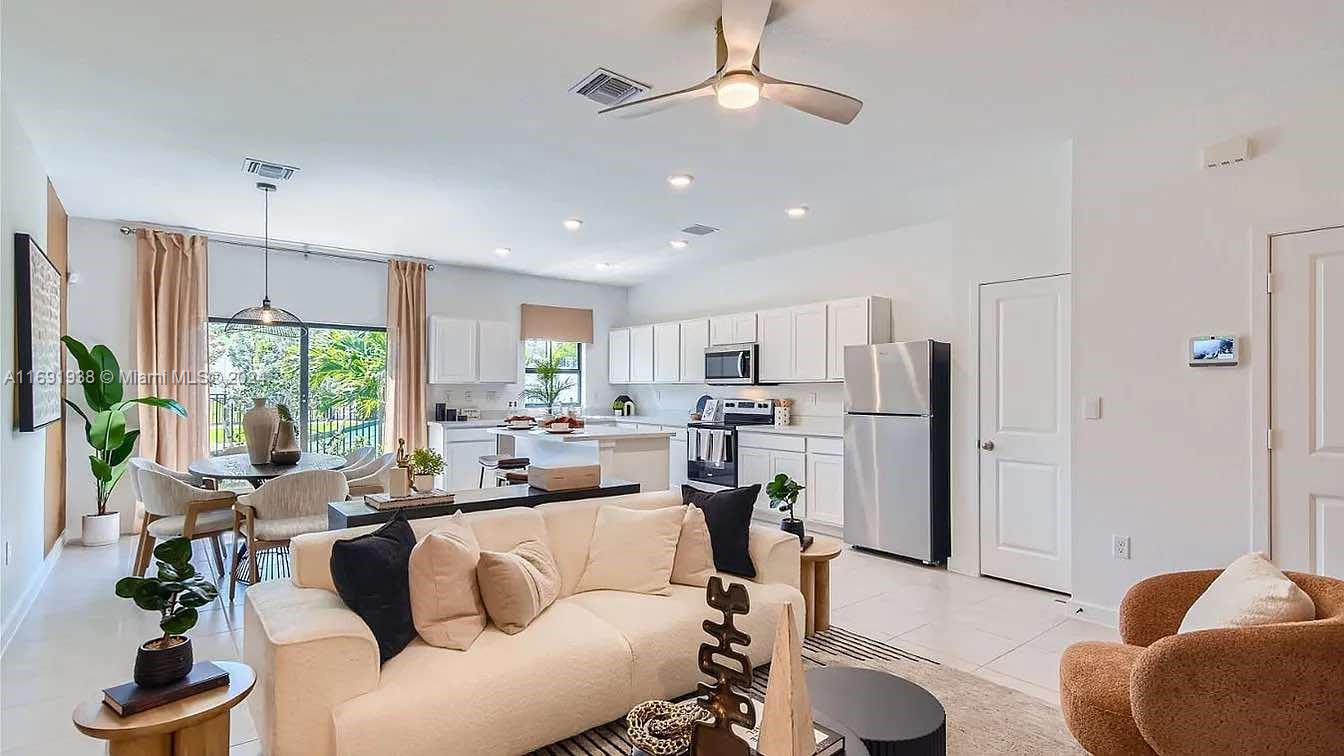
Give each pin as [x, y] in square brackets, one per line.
[551, 383]
[113, 444]
[783, 492]
[176, 593]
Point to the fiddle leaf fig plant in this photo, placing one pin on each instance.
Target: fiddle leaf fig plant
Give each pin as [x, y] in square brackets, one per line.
[113, 444]
[783, 492]
[175, 592]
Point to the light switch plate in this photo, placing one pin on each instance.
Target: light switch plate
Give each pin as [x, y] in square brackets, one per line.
[1092, 408]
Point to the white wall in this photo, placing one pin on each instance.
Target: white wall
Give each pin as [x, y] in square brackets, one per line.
[315, 288]
[1162, 252]
[1012, 220]
[23, 209]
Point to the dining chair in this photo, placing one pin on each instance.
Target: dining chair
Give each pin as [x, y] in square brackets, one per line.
[175, 508]
[370, 477]
[133, 465]
[356, 457]
[282, 508]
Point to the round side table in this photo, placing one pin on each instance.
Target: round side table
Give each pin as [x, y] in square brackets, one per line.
[814, 580]
[198, 724]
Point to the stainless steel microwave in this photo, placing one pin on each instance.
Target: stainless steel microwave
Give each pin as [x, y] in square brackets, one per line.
[732, 364]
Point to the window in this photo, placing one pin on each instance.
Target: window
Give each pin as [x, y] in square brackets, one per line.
[330, 377]
[553, 373]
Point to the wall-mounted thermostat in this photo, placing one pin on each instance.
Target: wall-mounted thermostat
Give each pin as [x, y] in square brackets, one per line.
[1207, 351]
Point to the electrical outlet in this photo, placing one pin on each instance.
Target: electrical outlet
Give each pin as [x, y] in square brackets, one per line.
[490, 396]
[1120, 547]
[812, 398]
[466, 396]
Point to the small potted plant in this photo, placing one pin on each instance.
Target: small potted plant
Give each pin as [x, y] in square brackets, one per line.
[425, 464]
[175, 593]
[783, 492]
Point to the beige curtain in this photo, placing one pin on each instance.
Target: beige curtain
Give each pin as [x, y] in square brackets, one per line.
[170, 323]
[407, 360]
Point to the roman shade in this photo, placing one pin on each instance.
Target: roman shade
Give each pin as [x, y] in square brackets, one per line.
[547, 323]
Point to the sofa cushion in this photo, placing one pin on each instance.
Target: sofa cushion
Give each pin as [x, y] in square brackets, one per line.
[510, 694]
[371, 577]
[728, 514]
[445, 598]
[694, 562]
[569, 528]
[1251, 591]
[517, 585]
[1094, 696]
[632, 550]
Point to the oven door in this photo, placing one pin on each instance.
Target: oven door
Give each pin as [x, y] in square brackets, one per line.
[731, 365]
[702, 470]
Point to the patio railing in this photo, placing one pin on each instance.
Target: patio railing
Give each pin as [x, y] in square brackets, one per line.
[335, 431]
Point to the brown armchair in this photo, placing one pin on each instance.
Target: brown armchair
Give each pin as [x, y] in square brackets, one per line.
[1275, 688]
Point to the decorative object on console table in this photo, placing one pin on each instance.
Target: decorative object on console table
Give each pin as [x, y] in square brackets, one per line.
[564, 477]
[285, 448]
[175, 593]
[384, 502]
[663, 728]
[783, 492]
[399, 477]
[724, 702]
[260, 425]
[37, 336]
[786, 723]
[129, 698]
[425, 464]
[106, 432]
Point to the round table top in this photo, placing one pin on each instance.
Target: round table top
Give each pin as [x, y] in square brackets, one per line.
[238, 466]
[879, 706]
[823, 549]
[95, 719]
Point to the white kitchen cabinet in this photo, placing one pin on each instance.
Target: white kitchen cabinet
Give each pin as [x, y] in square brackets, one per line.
[452, 350]
[739, 328]
[774, 332]
[498, 350]
[794, 465]
[618, 356]
[641, 354]
[861, 320]
[676, 457]
[694, 339]
[462, 464]
[753, 466]
[809, 342]
[826, 488]
[667, 352]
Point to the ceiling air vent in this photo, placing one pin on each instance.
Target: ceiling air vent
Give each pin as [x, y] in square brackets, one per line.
[608, 88]
[272, 171]
[699, 229]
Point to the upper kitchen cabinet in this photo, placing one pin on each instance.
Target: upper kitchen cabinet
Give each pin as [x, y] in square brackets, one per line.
[694, 339]
[498, 350]
[618, 356]
[850, 322]
[667, 352]
[774, 334]
[641, 354]
[452, 350]
[732, 329]
[809, 342]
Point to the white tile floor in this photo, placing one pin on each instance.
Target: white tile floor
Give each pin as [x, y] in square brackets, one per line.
[79, 637]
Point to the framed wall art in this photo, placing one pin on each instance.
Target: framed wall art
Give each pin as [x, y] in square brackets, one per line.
[37, 338]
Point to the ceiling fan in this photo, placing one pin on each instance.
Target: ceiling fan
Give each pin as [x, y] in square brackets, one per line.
[738, 83]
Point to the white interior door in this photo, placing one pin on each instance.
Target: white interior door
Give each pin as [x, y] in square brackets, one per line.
[1307, 401]
[1024, 431]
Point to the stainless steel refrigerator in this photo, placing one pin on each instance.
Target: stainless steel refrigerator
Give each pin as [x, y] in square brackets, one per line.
[897, 449]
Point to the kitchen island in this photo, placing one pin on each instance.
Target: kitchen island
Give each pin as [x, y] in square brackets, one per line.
[636, 455]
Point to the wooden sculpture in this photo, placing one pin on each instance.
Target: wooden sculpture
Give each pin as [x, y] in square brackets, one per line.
[786, 722]
[727, 706]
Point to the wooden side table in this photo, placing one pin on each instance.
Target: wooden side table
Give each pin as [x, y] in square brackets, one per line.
[814, 579]
[195, 726]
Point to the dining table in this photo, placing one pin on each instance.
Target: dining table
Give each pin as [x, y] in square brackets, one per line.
[240, 467]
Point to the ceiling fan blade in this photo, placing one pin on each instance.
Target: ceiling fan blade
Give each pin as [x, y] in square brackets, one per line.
[656, 103]
[833, 106]
[743, 24]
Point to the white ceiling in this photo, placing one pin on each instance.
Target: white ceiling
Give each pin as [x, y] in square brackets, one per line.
[446, 129]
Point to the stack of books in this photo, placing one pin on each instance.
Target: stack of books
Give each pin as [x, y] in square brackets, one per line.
[128, 698]
[382, 501]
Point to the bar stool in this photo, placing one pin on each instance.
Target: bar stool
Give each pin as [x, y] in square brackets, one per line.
[499, 462]
[510, 477]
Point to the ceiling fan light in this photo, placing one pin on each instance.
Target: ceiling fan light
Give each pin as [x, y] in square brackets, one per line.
[738, 91]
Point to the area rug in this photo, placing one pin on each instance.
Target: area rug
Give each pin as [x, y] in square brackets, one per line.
[982, 717]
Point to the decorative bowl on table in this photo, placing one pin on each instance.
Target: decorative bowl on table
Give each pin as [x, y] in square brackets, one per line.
[520, 422]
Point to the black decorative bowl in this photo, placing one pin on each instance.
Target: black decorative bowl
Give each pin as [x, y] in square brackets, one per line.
[156, 667]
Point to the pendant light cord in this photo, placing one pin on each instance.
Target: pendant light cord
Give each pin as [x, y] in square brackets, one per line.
[266, 255]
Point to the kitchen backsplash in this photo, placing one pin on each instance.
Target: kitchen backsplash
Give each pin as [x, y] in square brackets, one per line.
[809, 399]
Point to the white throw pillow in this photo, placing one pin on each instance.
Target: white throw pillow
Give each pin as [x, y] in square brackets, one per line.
[1251, 591]
[694, 563]
[632, 550]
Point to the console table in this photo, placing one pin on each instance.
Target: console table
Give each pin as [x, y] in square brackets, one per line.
[349, 514]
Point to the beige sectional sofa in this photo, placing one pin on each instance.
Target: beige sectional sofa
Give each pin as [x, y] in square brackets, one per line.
[585, 661]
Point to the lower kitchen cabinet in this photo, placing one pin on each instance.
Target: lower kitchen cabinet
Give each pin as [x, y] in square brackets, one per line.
[826, 488]
[462, 464]
[753, 466]
[676, 457]
[794, 465]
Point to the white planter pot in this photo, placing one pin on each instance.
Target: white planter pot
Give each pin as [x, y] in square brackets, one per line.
[424, 483]
[101, 530]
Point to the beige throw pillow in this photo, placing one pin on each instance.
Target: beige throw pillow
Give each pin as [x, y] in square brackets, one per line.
[632, 550]
[445, 599]
[694, 563]
[518, 585]
[1251, 591]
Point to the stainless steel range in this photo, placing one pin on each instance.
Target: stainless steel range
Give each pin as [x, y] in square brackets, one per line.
[711, 445]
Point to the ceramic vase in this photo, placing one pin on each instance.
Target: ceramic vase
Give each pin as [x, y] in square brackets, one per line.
[259, 427]
[101, 530]
[424, 483]
[285, 450]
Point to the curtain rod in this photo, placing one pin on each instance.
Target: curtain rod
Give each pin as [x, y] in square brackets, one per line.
[297, 248]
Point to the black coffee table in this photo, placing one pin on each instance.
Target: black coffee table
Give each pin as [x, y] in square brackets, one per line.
[890, 714]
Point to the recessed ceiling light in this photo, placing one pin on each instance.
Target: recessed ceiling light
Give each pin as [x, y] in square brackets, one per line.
[573, 224]
[680, 180]
[679, 243]
[797, 212]
[604, 266]
[503, 251]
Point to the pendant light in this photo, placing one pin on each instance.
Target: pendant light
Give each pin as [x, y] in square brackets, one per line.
[273, 320]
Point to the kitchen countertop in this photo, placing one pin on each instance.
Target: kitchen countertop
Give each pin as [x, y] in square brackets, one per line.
[466, 423]
[588, 433]
[823, 428]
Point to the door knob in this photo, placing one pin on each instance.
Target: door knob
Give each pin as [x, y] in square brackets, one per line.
[987, 446]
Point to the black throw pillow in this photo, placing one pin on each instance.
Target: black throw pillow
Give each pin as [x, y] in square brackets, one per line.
[372, 576]
[728, 515]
